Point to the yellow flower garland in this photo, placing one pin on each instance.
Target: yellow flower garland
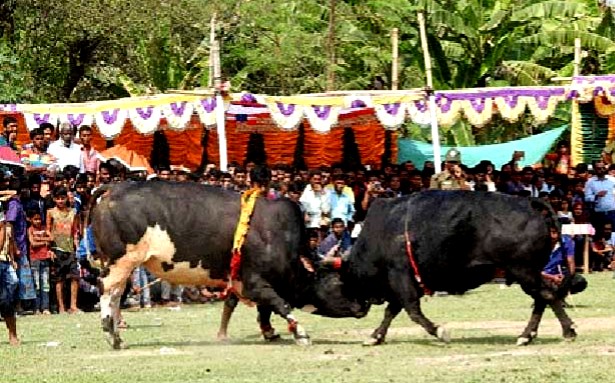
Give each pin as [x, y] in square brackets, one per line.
[248, 202]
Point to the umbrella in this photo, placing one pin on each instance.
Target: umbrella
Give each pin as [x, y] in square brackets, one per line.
[9, 157]
[129, 158]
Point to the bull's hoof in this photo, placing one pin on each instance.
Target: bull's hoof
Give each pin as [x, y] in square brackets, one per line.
[107, 325]
[571, 334]
[270, 335]
[115, 341]
[373, 341]
[223, 338]
[118, 344]
[443, 335]
[301, 336]
[303, 341]
[523, 341]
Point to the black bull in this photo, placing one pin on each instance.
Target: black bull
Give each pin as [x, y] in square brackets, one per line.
[183, 233]
[458, 240]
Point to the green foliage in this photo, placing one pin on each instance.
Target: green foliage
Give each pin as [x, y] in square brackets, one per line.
[14, 85]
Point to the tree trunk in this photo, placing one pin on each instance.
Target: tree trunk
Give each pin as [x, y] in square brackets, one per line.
[7, 21]
[80, 55]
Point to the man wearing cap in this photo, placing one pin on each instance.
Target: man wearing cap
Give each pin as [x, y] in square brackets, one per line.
[452, 177]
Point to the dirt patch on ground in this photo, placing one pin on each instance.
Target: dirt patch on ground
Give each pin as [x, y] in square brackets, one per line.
[476, 360]
[499, 327]
[163, 351]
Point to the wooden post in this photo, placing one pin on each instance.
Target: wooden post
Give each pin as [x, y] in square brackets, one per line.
[425, 47]
[576, 138]
[212, 41]
[577, 57]
[220, 112]
[331, 47]
[395, 59]
[586, 255]
[433, 116]
[217, 72]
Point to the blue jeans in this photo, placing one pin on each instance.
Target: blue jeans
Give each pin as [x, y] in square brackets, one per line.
[8, 289]
[40, 273]
[139, 279]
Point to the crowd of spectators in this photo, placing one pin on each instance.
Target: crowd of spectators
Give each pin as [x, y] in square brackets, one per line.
[45, 205]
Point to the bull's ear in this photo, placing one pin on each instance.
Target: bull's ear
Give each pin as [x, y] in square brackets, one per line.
[307, 264]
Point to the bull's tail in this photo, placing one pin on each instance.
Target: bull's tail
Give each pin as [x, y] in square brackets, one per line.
[94, 200]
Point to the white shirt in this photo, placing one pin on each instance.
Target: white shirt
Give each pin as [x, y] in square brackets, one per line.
[315, 205]
[65, 155]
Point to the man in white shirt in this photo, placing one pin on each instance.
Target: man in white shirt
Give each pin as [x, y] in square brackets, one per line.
[65, 150]
[315, 202]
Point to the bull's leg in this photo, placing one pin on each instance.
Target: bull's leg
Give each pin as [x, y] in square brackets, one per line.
[568, 327]
[413, 309]
[379, 334]
[264, 321]
[264, 295]
[531, 330]
[230, 303]
[112, 288]
[407, 292]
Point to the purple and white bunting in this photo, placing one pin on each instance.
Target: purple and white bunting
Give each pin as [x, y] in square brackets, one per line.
[111, 122]
[145, 120]
[418, 111]
[322, 117]
[391, 116]
[34, 120]
[178, 114]
[8, 108]
[76, 119]
[286, 116]
[206, 109]
[358, 101]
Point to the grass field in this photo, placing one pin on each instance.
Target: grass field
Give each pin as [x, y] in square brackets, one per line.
[180, 346]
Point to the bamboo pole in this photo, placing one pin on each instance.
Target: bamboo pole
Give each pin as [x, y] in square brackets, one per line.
[220, 112]
[331, 47]
[395, 59]
[212, 41]
[435, 132]
[577, 57]
[425, 47]
[576, 138]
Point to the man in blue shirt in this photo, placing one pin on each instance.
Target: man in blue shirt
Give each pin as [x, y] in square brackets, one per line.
[342, 205]
[560, 270]
[599, 191]
[336, 245]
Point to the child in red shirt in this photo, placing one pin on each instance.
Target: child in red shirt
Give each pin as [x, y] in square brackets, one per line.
[40, 259]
